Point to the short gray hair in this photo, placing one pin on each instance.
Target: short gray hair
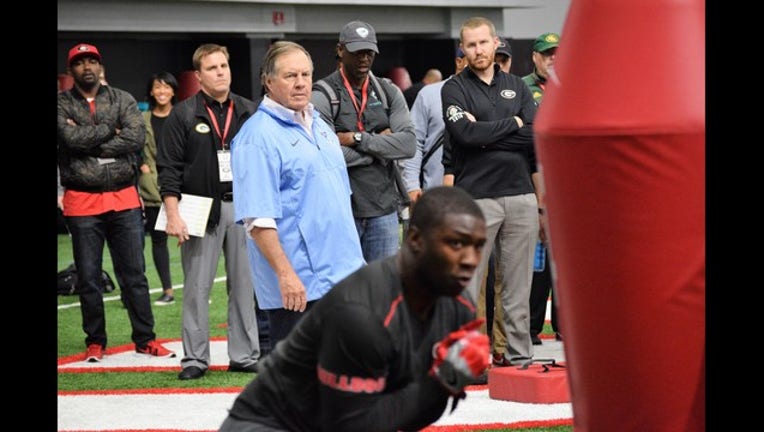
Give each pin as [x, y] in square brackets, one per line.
[276, 50]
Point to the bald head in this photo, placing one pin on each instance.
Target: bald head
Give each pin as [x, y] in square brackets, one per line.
[432, 76]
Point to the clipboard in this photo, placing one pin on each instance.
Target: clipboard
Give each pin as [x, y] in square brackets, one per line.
[195, 211]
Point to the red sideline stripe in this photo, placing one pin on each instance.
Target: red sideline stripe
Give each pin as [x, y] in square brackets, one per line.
[484, 426]
[451, 428]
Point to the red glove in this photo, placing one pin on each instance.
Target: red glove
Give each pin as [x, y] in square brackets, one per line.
[461, 357]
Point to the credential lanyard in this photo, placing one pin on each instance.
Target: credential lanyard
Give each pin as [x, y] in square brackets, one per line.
[228, 117]
[364, 98]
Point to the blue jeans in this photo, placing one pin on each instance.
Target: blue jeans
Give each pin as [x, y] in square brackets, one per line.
[123, 232]
[379, 236]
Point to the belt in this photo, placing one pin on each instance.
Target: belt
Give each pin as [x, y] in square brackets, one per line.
[227, 196]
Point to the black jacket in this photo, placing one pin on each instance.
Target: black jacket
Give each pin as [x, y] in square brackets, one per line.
[94, 137]
[371, 163]
[187, 160]
[492, 157]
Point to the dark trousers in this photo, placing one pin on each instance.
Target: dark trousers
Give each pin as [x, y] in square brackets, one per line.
[263, 331]
[541, 286]
[159, 251]
[281, 322]
[123, 233]
[490, 294]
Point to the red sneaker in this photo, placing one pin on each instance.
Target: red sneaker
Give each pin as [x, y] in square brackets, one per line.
[499, 360]
[155, 349]
[94, 353]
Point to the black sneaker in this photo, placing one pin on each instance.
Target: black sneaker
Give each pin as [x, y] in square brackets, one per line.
[237, 368]
[535, 340]
[164, 300]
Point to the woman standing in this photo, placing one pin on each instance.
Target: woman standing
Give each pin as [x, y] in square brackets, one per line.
[162, 88]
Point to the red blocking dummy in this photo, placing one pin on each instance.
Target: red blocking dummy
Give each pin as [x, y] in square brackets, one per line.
[188, 85]
[621, 149]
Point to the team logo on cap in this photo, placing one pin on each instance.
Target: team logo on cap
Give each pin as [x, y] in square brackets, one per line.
[362, 31]
[82, 48]
[508, 94]
[202, 128]
[551, 38]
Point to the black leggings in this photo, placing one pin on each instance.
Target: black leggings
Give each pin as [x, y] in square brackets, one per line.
[158, 247]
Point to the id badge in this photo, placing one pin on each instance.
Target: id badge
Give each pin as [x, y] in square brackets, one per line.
[224, 165]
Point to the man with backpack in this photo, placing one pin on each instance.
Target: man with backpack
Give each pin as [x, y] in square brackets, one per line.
[372, 122]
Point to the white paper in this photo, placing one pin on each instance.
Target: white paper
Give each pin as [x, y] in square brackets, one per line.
[195, 211]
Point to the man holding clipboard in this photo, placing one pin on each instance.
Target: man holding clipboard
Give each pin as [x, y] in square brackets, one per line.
[195, 159]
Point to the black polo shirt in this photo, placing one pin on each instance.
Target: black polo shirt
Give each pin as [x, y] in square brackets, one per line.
[496, 158]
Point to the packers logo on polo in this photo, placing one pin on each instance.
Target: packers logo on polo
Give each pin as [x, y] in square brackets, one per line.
[508, 94]
[202, 128]
[551, 38]
[454, 113]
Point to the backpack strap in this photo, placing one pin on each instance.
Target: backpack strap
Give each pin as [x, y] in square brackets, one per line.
[428, 155]
[334, 101]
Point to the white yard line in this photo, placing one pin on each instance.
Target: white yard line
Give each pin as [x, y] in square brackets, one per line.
[115, 297]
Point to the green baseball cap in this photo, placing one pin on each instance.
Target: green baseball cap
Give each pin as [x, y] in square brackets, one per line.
[546, 41]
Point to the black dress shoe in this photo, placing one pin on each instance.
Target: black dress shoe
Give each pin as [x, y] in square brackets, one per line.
[558, 336]
[535, 340]
[236, 368]
[191, 372]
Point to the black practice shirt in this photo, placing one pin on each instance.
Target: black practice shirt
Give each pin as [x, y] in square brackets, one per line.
[357, 361]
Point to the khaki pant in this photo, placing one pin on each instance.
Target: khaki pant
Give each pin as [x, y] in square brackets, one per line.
[514, 221]
[498, 337]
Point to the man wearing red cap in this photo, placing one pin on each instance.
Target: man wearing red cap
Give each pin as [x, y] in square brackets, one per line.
[100, 135]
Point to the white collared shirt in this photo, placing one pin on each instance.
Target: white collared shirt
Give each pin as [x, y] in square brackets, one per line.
[303, 118]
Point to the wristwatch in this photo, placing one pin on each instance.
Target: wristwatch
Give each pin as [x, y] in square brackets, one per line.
[357, 137]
